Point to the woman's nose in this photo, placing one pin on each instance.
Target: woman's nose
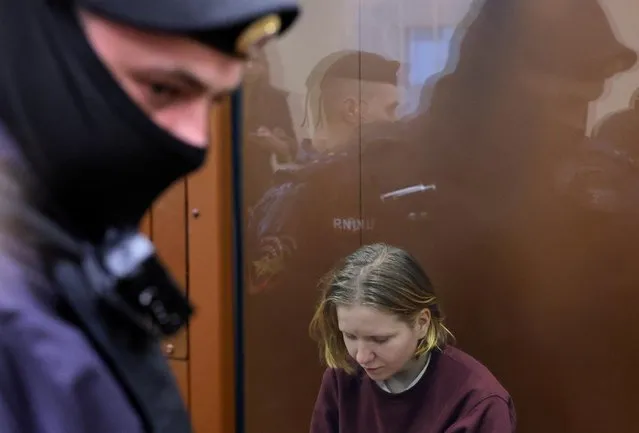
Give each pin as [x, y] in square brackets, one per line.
[364, 355]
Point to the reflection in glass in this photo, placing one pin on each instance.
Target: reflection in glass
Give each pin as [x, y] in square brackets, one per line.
[521, 117]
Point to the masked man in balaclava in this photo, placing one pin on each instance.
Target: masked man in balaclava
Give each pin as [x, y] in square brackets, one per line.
[103, 105]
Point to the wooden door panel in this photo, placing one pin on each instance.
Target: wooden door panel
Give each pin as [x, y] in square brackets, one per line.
[168, 224]
[211, 335]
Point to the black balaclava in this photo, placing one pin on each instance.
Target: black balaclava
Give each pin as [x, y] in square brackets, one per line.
[97, 159]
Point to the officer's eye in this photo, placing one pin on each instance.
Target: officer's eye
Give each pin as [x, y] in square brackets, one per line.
[162, 89]
[162, 94]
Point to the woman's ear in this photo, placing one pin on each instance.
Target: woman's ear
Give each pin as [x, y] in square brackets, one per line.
[423, 322]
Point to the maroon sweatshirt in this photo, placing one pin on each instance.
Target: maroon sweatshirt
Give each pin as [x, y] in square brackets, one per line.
[457, 394]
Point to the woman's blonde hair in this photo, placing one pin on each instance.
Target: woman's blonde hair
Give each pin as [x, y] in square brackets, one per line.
[383, 277]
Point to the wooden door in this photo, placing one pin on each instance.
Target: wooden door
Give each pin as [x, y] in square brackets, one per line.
[166, 224]
[190, 226]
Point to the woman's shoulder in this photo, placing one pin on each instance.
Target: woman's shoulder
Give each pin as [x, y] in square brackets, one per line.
[453, 366]
[339, 375]
[343, 381]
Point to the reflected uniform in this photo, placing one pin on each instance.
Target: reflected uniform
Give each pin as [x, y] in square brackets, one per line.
[360, 193]
[84, 298]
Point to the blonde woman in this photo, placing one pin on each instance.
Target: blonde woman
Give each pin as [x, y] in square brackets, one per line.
[390, 365]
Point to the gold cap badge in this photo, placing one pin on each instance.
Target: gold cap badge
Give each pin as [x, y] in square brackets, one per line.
[257, 33]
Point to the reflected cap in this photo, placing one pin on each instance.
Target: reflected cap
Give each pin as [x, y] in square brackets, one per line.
[235, 27]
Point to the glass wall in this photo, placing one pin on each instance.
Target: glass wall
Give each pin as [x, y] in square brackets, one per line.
[513, 125]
